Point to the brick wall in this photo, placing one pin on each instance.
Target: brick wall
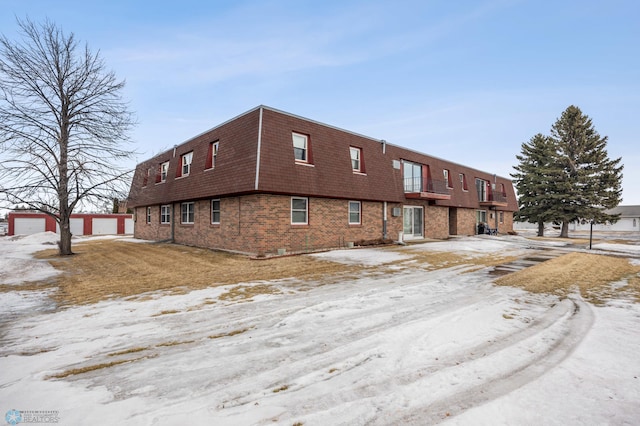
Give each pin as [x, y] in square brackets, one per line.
[261, 224]
[150, 231]
[466, 222]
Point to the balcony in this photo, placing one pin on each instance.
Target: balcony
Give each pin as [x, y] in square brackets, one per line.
[494, 199]
[432, 189]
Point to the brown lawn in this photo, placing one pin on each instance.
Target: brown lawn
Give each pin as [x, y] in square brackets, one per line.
[107, 269]
[591, 274]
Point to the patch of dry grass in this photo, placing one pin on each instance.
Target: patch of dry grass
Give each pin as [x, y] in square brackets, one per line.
[107, 269]
[229, 334]
[81, 370]
[592, 274]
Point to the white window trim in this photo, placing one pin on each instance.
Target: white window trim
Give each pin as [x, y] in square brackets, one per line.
[193, 207]
[445, 174]
[186, 160]
[463, 177]
[359, 222]
[306, 211]
[306, 147]
[214, 154]
[164, 171]
[219, 211]
[358, 151]
[168, 208]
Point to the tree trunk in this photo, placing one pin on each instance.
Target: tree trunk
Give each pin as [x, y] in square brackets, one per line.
[540, 229]
[564, 232]
[64, 245]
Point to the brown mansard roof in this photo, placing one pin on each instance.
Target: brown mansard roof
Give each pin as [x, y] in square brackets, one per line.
[256, 156]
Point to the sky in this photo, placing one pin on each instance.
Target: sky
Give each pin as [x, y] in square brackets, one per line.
[467, 81]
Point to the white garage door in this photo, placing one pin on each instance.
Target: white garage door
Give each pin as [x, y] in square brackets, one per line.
[128, 226]
[76, 225]
[28, 225]
[105, 226]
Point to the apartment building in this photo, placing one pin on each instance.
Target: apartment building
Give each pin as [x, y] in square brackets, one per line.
[269, 182]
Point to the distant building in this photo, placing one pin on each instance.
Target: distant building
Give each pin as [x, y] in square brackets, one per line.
[268, 181]
[27, 223]
[629, 221]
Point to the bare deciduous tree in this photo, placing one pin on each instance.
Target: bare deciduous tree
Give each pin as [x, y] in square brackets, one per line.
[63, 125]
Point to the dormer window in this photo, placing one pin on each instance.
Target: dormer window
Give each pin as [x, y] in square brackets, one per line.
[185, 164]
[301, 147]
[356, 159]
[164, 168]
[212, 156]
[447, 178]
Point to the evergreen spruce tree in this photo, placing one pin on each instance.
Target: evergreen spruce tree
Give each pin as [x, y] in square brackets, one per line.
[590, 182]
[534, 181]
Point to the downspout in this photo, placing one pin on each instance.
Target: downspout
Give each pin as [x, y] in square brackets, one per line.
[258, 153]
[384, 220]
[173, 222]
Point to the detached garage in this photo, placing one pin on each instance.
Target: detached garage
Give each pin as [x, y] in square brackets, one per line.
[23, 223]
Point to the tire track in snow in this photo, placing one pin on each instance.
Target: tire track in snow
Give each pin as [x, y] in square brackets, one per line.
[558, 345]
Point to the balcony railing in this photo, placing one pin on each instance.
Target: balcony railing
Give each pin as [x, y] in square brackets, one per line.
[433, 189]
[494, 198]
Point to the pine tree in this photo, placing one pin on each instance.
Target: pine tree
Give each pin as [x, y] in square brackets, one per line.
[590, 182]
[534, 181]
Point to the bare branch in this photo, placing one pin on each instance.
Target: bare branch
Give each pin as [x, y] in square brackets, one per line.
[63, 124]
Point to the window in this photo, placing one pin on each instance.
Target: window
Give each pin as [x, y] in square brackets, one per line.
[354, 212]
[145, 180]
[481, 216]
[634, 223]
[481, 187]
[299, 211]
[187, 213]
[212, 155]
[447, 178]
[165, 214]
[215, 211]
[164, 168]
[356, 159]
[503, 190]
[301, 147]
[412, 177]
[463, 182]
[148, 214]
[185, 164]
[501, 217]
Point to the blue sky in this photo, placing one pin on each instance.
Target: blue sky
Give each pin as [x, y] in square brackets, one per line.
[468, 81]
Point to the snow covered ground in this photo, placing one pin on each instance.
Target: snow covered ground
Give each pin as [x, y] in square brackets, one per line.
[393, 346]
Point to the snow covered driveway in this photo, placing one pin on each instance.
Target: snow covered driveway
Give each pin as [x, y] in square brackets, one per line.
[403, 346]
